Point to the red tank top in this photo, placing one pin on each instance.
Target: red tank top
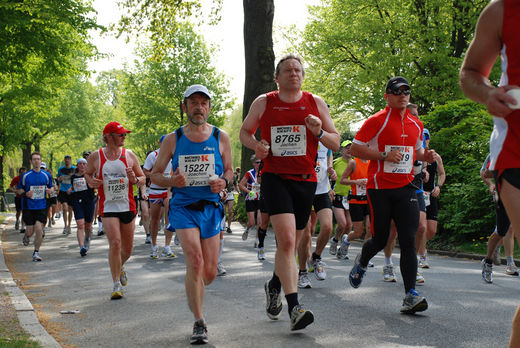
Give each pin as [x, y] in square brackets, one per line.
[505, 139]
[293, 146]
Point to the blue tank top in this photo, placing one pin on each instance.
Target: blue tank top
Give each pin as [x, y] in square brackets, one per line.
[183, 196]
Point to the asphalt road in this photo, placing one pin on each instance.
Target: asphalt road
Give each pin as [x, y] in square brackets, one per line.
[463, 310]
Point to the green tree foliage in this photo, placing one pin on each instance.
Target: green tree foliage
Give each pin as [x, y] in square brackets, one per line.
[151, 96]
[460, 133]
[354, 46]
[159, 19]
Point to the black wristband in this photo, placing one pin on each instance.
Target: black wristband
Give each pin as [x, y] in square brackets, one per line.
[226, 180]
[320, 135]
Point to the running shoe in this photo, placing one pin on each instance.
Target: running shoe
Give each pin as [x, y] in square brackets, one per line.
[370, 264]
[413, 302]
[273, 302]
[22, 230]
[176, 240]
[255, 245]
[43, 232]
[86, 243]
[419, 279]
[261, 254]
[117, 292]
[300, 317]
[64, 231]
[154, 254]
[123, 278]
[303, 281]
[497, 260]
[487, 271]
[342, 253]
[423, 263]
[319, 269]
[333, 249]
[388, 274]
[148, 239]
[17, 225]
[200, 333]
[100, 231]
[220, 269]
[512, 270]
[245, 234]
[83, 251]
[36, 256]
[228, 230]
[357, 273]
[168, 252]
[25, 240]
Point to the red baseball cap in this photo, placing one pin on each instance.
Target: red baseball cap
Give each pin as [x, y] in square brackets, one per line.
[115, 128]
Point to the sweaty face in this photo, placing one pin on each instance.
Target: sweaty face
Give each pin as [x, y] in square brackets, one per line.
[197, 108]
[291, 75]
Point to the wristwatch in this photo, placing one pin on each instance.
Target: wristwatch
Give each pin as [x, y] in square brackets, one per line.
[384, 154]
[226, 180]
[136, 180]
[320, 135]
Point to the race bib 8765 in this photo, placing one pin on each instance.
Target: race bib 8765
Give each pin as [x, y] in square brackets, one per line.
[288, 140]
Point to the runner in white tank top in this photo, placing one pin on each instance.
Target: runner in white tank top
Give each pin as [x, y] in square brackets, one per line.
[114, 170]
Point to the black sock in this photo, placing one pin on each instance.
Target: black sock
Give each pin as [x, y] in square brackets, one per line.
[316, 256]
[489, 261]
[261, 237]
[35, 251]
[302, 271]
[335, 240]
[275, 283]
[292, 301]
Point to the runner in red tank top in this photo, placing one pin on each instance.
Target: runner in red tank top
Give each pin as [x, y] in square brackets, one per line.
[291, 123]
[117, 206]
[497, 34]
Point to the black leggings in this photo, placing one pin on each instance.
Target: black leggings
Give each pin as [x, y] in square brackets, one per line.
[400, 205]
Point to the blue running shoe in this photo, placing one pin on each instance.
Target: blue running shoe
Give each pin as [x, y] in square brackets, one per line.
[356, 274]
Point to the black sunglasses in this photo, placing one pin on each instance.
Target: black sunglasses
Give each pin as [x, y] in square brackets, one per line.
[400, 91]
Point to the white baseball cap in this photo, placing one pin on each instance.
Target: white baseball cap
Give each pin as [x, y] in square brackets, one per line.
[196, 89]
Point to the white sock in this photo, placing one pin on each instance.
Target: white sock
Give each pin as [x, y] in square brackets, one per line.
[388, 260]
[509, 260]
[221, 247]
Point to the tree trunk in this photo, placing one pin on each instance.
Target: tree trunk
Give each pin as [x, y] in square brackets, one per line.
[26, 155]
[259, 58]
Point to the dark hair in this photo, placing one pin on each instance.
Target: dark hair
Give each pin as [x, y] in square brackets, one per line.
[22, 169]
[287, 57]
[36, 153]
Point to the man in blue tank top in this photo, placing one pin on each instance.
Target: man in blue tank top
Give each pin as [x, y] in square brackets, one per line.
[34, 185]
[201, 165]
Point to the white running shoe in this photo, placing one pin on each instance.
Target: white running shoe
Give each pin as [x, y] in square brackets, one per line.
[333, 249]
[388, 274]
[154, 254]
[487, 271]
[245, 234]
[419, 279]
[261, 254]
[303, 281]
[220, 269]
[168, 252]
[511, 270]
[176, 240]
[423, 263]
[319, 269]
[36, 257]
